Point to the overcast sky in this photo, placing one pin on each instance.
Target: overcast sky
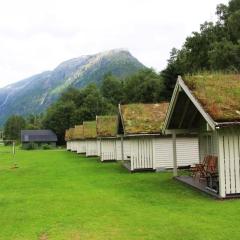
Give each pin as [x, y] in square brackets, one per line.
[37, 35]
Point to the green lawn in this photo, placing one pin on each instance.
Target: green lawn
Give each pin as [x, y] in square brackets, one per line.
[62, 195]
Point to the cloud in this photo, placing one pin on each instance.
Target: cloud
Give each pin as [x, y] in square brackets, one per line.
[37, 35]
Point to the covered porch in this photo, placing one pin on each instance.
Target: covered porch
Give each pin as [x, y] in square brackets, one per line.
[198, 185]
[185, 118]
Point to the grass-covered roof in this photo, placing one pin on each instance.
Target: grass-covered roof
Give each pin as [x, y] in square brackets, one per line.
[143, 118]
[78, 132]
[67, 136]
[89, 129]
[107, 126]
[219, 94]
[70, 133]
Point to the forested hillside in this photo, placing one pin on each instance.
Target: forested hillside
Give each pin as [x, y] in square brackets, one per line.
[37, 93]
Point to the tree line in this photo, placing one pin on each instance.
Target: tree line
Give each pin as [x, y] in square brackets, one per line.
[77, 105]
[216, 47]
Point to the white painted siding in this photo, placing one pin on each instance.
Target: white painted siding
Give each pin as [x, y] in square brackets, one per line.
[118, 150]
[81, 146]
[141, 153]
[98, 147]
[68, 145]
[229, 160]
[187, 152]
[91, 148]
[207, 144]
[127, 149]
[108, 149]
[74, 146]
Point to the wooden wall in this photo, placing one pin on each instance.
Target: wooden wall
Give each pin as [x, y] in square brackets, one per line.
[81, 146]
[141, 152]
[187, 152]
[68, 145]
[118, 150]
[108, 149]
[91, 147]
[229, 161]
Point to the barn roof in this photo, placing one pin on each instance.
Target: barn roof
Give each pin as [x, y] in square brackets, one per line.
[78, 132]
[143, 118]
[89, 129]
[107, 126]
[38, 136]
[219, 95]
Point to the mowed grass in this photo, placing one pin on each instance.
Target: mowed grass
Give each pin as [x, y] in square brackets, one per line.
[55, 194]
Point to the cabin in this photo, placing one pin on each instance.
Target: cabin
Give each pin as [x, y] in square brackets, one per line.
[107, 135]
[90, 136]
[80, 143]
[209, 105]
[144, 145]
[38, 138]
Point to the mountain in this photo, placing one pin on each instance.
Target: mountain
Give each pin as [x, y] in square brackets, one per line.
[36, 93]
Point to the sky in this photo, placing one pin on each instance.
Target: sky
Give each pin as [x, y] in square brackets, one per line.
[36, 36]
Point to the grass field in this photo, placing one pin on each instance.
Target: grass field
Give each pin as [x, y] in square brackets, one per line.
[56, 194]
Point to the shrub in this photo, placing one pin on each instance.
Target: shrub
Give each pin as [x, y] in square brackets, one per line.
[30, 146]
[46, 146]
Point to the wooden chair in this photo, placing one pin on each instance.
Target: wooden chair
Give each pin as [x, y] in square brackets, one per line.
[212, 174]
[200, 168]
[212, 165]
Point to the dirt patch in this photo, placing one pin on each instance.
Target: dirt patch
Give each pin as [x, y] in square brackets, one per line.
[43, 236]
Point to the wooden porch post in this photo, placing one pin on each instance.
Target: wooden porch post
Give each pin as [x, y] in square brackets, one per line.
[174, 154]
[220, 145]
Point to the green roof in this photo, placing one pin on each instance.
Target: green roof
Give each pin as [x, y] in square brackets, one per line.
[143, 118]
[70, 133]
[219, 94]
[107, 126]
[89, 129]
[78, 132]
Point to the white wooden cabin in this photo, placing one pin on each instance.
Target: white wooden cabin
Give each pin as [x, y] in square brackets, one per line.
[144, 146]
[212, 110]
[107, 135]
[80, 142]
[90, 136]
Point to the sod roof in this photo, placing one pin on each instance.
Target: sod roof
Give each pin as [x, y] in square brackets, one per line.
[143, 118]
[219, 95]
[78, 132]
[89, 129]
[70, 132]
[107, 126]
